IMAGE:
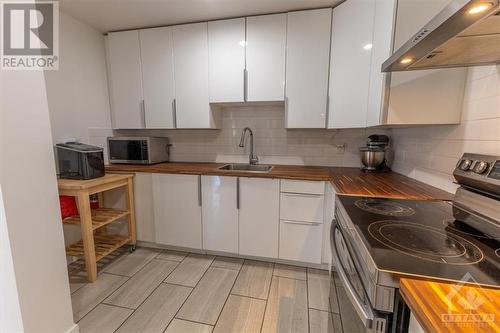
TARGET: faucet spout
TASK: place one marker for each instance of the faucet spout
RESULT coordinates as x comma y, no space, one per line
253,159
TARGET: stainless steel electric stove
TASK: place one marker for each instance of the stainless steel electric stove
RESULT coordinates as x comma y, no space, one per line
376,241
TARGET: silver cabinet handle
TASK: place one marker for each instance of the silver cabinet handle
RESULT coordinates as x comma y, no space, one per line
307,195
301,222
286,112
199,191
327,117
174,112
245,84
238,193
143,113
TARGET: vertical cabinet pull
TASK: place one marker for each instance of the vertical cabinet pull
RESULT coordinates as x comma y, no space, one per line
199,191
238,193
174,112
286,112
245,84
327,115
143,113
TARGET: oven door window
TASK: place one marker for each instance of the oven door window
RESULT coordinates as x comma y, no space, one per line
127,150
348,267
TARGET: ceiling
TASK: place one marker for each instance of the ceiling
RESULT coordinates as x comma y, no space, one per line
112,15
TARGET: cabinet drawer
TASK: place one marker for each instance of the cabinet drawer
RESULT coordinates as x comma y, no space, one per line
302,207
301,241
302,186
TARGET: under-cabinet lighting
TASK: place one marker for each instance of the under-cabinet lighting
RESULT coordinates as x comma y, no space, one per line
479,8
405,61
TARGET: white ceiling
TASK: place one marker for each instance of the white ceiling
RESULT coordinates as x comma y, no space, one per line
112,15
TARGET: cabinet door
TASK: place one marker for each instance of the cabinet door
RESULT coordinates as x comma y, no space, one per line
226,56
265,57
352,34
301,241
144,208
177,209
259,217
307,65
191,76
125,80
158,76
220,213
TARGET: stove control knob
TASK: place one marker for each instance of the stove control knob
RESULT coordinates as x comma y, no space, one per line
481,167
465,165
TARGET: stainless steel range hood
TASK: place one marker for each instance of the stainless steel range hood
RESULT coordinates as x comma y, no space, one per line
464,33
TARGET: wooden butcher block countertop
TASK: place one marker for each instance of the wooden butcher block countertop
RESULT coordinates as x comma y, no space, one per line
442,307
346,181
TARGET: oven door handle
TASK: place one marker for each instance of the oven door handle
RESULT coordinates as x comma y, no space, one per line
366,314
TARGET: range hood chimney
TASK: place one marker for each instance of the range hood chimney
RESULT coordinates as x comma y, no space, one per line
464,33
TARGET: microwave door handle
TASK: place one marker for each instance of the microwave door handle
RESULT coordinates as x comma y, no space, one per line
365,314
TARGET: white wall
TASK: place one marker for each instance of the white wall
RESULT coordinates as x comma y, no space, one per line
430,153
10,312
29,188
273,143
78,93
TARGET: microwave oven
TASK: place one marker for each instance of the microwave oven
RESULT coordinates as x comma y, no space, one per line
138,150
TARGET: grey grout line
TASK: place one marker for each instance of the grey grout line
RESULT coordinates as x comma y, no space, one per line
267,301
121,274
228,294
118,306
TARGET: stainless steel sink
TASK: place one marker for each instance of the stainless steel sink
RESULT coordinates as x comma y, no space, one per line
247,167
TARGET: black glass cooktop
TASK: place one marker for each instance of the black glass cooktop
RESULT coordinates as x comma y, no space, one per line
426,238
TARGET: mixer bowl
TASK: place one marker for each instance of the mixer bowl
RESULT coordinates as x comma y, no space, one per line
372,159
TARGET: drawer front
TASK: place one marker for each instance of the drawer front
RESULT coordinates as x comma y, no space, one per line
301,241
302,207
302,186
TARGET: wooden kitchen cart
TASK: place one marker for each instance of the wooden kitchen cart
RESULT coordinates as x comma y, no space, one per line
96,243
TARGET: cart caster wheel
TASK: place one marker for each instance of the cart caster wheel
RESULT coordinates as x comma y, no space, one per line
132,248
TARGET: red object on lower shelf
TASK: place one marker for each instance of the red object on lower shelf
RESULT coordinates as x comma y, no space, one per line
68,206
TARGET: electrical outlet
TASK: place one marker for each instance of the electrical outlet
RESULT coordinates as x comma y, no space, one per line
340,149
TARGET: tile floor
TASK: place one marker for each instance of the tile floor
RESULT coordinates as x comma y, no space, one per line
152,290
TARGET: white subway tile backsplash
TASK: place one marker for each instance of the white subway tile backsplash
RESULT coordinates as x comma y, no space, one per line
430,153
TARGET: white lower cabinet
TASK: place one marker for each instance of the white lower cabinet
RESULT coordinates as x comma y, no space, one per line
301,241
259,217
220,213
177,210
144,207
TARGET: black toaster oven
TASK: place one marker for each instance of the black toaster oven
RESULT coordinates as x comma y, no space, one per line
79,161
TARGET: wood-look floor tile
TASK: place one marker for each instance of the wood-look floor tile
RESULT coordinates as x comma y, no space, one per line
318,284
320,322
88,296
241,314
138,288
190,270
172,255
337,323
207,300
286,309
254,279
183,326
227,262
350,320
291,272
130,263
157,311
103,319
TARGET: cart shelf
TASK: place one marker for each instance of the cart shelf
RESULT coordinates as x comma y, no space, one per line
100,217
104,244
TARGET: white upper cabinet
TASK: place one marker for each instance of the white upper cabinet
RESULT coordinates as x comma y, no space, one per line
220,213
352,41
125,81
265,57
158,76
226,59
307,65
192,108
